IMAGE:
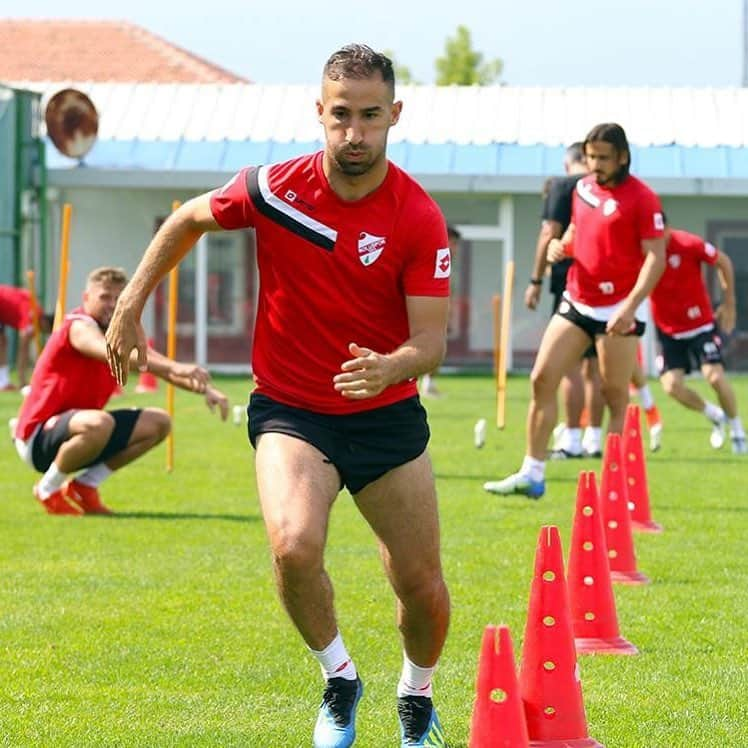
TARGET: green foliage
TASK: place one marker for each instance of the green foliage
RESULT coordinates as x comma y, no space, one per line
461,65
160,626
403,75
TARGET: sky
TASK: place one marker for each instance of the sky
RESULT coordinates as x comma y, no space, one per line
541,42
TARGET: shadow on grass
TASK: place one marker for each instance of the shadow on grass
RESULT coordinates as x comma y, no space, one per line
183,515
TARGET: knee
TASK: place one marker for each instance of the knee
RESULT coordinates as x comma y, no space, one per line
98,425
714,378
157,423
670,385
425,585
616,396
542,383
295,553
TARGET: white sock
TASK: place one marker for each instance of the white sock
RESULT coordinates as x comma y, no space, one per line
335,660
415,680
713,412
645,397
533,468
95,475
572,440
736,428
4,375
51,481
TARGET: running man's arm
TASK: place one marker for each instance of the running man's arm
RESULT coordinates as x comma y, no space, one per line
726,311
369,372
174,239
549,230
23,355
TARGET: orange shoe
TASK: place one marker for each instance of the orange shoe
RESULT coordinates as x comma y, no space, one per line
86,497
57,504
653,417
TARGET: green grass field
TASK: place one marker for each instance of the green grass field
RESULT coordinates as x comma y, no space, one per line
161,627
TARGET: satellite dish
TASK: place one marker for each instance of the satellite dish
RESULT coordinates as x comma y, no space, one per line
72,122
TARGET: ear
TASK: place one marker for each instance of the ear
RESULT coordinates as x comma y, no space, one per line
397,108
320,109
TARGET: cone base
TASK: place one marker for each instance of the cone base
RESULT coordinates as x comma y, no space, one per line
570,743
615,645
647,525
142,389
629,577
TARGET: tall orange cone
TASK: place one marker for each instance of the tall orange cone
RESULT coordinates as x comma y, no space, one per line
498,715
549,675
147,381
636,473
615,510
593,605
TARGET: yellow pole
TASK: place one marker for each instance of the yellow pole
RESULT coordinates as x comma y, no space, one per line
171,352
505,342
62,287
31,281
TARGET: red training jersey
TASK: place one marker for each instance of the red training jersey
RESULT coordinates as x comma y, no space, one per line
64,379
680,302
610,224
15,307
332,272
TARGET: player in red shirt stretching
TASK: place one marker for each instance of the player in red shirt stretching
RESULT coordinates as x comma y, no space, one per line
62,427
354,266
688,335
17,311
619,254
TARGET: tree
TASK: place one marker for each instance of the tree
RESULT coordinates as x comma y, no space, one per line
403,76
461,65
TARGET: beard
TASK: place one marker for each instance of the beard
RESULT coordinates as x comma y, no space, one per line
356,167
611,179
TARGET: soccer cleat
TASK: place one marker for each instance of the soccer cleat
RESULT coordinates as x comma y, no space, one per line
717,437
336,721
56,503
479,433
86,497
655,437
739,446
517,483
419,723
564,454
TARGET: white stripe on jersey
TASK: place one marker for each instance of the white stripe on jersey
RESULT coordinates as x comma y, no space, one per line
585,192
274,201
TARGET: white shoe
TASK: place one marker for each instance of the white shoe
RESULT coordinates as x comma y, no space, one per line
717,437
516,483
655,437
558,435
479,433
739,446
12,426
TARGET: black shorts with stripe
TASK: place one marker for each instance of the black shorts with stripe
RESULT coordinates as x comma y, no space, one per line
593,327
362,446
689,353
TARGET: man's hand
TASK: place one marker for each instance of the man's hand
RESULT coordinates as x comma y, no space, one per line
363,376
556,251
725,316
215,397
197,377
532,295
622,322
123,334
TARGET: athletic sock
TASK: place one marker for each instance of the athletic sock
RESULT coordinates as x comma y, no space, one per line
713,412
335,660
534,469
95,475
4,376
572,441
51,481
645,397
415,680
736,428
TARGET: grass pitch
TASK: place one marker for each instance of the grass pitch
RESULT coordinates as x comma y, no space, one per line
161,627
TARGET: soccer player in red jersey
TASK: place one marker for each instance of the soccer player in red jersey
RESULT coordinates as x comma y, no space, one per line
619,253
354,267
688,335
62,427
17,311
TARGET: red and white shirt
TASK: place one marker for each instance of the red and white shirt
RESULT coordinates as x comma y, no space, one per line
15,308
332,272
64,379
610,224
680,302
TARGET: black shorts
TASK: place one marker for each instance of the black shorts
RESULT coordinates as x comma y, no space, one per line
689,353
55,432
362,446
593,327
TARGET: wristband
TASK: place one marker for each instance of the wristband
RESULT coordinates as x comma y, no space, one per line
536,281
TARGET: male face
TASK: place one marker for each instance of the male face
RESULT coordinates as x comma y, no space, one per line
605,162
357,114
99,300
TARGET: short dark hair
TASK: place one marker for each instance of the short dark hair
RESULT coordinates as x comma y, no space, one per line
575,153
610,132
453,232
359,61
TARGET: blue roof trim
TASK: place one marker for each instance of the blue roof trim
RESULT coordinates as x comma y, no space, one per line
492,159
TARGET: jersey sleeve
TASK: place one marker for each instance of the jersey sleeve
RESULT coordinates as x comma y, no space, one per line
558,203
231,205
650,218
708,253
429,261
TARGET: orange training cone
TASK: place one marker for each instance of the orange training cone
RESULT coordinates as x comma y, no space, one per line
636,473
147,381
498,715
591,599
549,675
614,504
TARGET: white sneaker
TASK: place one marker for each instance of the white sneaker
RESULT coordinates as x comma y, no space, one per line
717,437
517,483
479,433
655,437
739,446
558,435
591,446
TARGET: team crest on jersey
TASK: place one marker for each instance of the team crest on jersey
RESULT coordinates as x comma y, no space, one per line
443,263
711,250
674,261
369,248
609,207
